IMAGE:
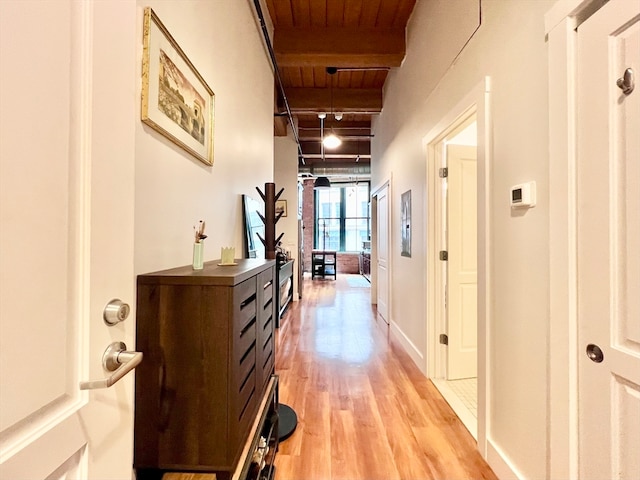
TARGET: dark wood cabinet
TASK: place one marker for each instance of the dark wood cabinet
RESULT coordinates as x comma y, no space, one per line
209,353
365,264
284,276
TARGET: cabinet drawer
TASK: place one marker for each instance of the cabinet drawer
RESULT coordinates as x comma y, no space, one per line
245,341
267,359
244,304
247,400
266,283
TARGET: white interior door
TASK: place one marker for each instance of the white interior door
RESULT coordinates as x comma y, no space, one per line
609,244
462,282
66,233
383,252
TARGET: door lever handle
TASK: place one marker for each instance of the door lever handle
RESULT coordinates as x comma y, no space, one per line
627,83
115,359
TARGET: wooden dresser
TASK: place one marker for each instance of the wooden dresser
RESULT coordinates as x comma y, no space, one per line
209,351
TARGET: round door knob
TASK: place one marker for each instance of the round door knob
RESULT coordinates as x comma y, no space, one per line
594,352
115,312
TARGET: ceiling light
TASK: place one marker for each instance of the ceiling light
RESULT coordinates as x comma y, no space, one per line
331,141
322,182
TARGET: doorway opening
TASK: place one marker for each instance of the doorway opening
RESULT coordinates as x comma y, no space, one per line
475,106
453,168
380,247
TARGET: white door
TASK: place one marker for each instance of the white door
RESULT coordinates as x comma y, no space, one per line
66,188
609,244
383,252
462,282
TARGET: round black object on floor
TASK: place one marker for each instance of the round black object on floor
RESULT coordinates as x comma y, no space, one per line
287,421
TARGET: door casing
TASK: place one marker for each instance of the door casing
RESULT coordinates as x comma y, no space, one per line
375,280
561,23
477,102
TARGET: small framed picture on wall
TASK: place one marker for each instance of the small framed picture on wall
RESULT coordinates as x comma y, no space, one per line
281,206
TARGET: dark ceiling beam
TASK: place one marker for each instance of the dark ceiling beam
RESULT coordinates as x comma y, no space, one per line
311,163
280,126
343,124
339,47
346,100
306,137
336,161
314,134
310,130
347,148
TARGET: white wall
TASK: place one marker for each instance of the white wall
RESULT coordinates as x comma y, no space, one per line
510,48
173,189
286,175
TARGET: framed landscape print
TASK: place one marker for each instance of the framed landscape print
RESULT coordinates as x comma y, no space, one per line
176,100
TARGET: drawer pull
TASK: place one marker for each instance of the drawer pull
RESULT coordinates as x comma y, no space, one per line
247,301
266,362
268,284
267,323
250,350
247,327
267,342
246,404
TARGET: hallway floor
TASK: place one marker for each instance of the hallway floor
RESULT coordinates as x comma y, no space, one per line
365,411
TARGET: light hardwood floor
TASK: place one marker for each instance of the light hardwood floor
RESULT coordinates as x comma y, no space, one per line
364,409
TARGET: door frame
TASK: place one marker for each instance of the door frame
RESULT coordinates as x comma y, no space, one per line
477,102
374,243
561,23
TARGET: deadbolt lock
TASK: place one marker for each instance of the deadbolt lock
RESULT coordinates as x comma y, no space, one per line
115,312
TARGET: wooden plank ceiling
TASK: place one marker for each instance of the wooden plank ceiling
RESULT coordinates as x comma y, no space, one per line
363,40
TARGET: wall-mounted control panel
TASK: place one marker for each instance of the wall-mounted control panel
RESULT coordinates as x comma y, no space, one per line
523,195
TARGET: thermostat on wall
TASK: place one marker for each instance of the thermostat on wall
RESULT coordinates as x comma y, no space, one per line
523,195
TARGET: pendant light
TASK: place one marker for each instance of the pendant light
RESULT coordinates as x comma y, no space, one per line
322,182
331,141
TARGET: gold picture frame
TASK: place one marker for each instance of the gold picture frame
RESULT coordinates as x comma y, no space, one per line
176,100
281,206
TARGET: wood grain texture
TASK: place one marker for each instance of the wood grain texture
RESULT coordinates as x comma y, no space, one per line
189,476
364,409
208,343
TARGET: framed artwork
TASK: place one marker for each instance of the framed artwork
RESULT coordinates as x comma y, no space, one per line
405,202
176,101
281,206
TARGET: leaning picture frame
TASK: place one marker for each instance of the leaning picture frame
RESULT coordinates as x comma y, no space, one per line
405,215
176,100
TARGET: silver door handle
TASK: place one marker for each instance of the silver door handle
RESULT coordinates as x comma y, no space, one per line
627,83
115,359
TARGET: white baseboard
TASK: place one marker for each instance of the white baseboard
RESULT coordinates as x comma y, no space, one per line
409,347
500,464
